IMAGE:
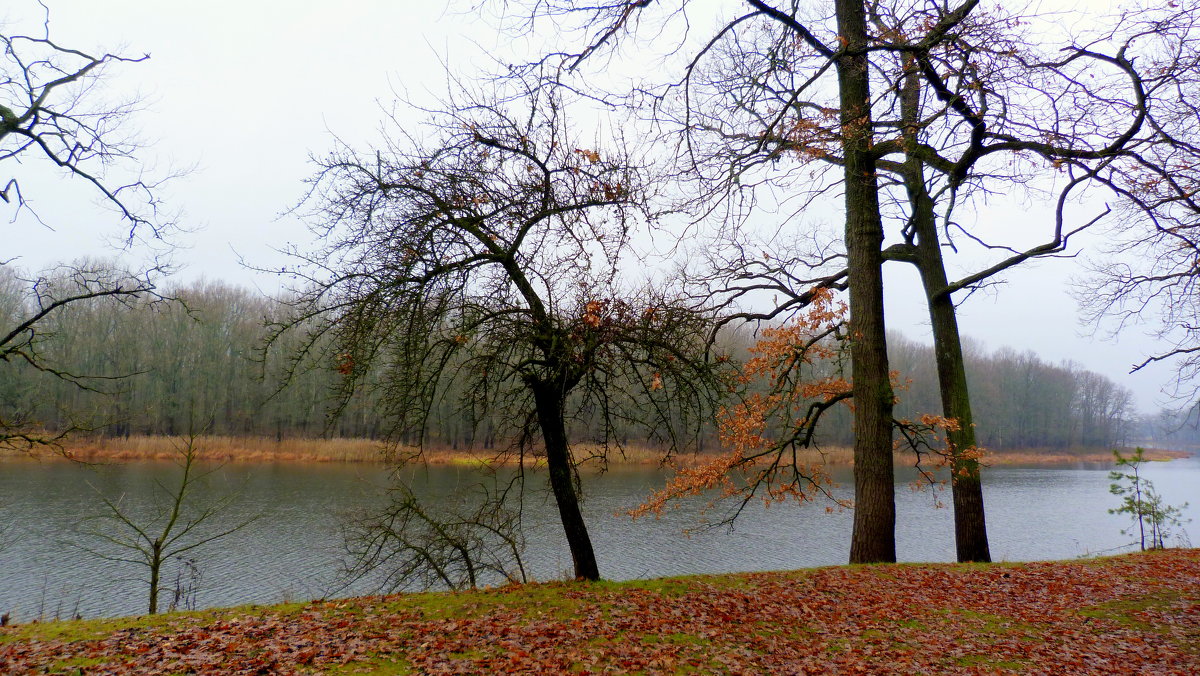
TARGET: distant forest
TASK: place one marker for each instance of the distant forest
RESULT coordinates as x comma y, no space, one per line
160,368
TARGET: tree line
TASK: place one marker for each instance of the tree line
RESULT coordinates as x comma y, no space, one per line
1029,403
164,368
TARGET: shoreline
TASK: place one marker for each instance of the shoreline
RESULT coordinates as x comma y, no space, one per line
342,450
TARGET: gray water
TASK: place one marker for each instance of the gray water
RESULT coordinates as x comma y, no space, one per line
293,550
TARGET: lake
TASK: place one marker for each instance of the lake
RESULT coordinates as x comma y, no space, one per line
293,550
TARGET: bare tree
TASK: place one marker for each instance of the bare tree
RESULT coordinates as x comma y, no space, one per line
1147,279
52,113
181,525
51,110
485,252
477,540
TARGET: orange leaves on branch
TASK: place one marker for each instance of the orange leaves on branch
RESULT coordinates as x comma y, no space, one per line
931,435
963,458
784,348
927,433
742,427
593,312
693,481
345,363
764,429
779,360
590,155
936,421
611,191
811,139
614,313
824,389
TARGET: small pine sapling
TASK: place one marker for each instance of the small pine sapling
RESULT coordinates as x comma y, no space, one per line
1152,519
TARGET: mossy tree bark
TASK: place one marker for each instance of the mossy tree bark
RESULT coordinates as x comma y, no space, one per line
970,528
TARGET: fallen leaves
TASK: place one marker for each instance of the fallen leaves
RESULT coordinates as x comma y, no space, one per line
1128,614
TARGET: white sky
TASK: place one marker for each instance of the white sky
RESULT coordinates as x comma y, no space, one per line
243,92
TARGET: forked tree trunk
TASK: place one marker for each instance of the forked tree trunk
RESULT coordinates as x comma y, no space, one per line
874,536
549,402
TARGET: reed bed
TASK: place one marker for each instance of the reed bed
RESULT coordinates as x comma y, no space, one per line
343,450
226,449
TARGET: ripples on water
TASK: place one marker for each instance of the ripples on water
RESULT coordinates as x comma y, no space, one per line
292,552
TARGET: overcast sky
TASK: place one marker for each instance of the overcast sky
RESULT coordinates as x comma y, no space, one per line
241,93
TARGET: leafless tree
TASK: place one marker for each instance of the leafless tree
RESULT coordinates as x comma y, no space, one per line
183,523
1147,279
54,114
485,251
33,302
476,540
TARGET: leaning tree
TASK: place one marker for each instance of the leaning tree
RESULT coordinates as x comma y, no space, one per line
841,81
480,255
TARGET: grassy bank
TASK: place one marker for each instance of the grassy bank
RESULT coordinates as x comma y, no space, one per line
268,449
1137,613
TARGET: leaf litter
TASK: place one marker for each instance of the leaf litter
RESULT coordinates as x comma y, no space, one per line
1137,613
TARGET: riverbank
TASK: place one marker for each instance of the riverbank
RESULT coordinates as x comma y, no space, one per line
1136,613
341,450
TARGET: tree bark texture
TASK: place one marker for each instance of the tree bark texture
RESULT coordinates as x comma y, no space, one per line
970,529
155,570
874,535
549,402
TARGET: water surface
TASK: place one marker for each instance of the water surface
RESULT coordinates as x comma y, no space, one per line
293,550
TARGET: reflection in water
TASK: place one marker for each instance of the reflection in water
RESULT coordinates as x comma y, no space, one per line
293,551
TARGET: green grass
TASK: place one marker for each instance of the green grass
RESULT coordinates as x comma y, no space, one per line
1126,612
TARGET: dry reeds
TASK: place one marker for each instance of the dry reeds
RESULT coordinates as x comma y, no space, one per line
268,449
228,449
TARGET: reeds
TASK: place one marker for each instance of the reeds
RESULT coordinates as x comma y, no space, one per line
227,449
269,449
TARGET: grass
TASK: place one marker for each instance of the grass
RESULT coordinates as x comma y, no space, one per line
72,631
1130,613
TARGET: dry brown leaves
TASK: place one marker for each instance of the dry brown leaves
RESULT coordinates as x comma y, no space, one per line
1129,614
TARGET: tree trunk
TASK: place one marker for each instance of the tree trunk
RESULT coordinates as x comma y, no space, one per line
155,569
874,536
549,402
970,529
